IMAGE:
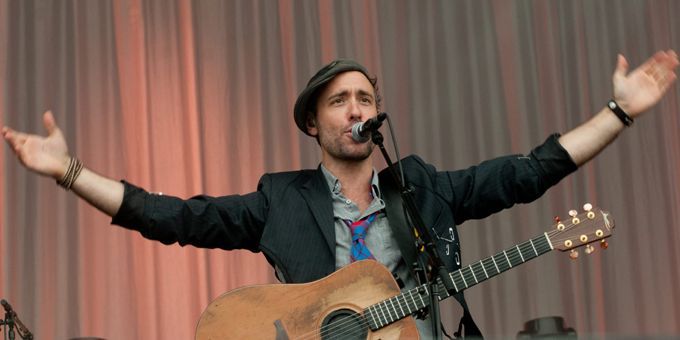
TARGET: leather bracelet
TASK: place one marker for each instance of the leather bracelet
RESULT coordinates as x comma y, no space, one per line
618,111
75,166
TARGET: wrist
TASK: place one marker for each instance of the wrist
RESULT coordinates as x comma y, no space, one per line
614,107
66,180
61,170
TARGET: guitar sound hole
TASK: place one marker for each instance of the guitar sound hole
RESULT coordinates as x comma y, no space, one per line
344,324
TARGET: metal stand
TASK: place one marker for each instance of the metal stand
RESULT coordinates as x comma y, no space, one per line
436,268
8,322
12,321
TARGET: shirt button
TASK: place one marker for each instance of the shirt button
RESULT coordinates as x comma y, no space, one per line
348,202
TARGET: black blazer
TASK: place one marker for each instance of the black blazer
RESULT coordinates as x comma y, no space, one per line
290,216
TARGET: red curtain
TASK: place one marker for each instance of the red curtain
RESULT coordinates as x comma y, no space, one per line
189,97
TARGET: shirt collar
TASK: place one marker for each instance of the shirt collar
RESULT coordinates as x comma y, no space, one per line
336,188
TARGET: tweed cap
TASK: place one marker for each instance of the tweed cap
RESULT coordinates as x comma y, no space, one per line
305,101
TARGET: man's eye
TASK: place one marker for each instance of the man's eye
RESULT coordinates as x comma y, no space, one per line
337,101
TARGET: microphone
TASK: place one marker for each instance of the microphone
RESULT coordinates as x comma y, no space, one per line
23,331
361,132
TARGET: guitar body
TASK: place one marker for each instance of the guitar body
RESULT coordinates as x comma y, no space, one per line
301,311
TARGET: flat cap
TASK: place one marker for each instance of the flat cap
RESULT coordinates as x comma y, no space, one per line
306,100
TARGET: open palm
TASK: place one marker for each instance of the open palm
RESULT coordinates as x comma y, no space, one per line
643,87
44,155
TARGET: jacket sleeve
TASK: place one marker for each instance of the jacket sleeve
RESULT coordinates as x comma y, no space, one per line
500,183
227,222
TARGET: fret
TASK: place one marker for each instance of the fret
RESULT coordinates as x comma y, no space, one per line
371,321
513,255
415,305
543,245
520,253
473,274
383,314
482,265
462,275
533,247
494,263
453,279
394,308
402,310
387,307
488,262
461,281
508,259
478,270
374,313
548,239
526,249
421,296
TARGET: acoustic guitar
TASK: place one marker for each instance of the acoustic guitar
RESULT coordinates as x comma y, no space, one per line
363,301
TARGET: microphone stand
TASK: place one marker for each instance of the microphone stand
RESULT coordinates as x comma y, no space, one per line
12,320
424,239
8,322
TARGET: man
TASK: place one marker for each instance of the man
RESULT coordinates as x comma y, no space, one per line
321,208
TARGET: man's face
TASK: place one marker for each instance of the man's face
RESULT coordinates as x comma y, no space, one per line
347,99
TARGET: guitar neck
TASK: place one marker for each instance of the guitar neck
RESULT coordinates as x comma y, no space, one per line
398,307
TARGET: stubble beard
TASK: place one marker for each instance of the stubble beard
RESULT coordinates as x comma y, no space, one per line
344,151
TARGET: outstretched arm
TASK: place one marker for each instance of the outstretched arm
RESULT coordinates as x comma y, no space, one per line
635,93
48,156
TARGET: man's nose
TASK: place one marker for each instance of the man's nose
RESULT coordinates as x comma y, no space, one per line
354,110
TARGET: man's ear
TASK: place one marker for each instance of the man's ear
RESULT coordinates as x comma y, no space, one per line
311,125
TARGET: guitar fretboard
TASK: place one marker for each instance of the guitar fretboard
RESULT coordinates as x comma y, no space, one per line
398,307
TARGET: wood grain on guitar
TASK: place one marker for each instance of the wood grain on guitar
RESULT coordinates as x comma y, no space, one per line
301,309
362,300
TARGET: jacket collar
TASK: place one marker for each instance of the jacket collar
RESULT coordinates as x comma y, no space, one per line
316,193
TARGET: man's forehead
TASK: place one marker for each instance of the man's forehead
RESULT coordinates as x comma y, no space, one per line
349,81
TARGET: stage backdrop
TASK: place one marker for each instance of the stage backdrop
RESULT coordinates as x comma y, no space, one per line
189,97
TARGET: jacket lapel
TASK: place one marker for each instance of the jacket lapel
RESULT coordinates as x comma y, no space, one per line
318,197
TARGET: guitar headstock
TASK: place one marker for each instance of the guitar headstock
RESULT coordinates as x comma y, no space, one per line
582,229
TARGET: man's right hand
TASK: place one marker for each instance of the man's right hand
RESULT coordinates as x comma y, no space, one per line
47,156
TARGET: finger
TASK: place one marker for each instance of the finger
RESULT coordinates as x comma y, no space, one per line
672,60
14,138
621,67
651,62
674,56
667,82
49,122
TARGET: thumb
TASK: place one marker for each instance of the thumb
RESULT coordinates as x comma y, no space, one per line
49,122
621,67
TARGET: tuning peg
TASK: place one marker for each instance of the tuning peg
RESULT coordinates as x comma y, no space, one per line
574,219
604,244
589,249
589,209
573,254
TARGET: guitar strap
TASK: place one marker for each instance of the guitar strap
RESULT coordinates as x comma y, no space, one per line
394,209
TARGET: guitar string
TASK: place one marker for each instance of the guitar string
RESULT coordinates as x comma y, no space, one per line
363,321
341,328
350,325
